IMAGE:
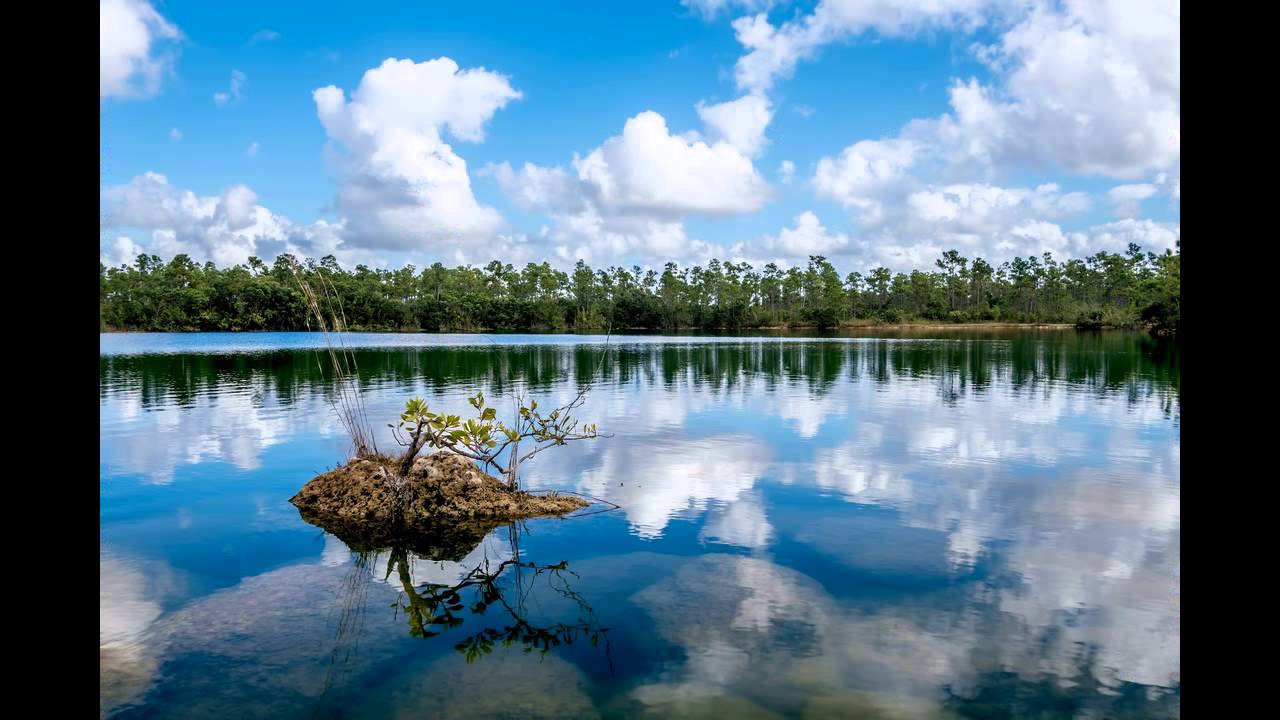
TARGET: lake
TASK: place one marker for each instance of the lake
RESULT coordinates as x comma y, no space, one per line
920,525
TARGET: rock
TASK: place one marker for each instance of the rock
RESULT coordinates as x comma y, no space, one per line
445,500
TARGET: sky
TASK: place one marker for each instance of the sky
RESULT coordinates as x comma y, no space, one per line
871,132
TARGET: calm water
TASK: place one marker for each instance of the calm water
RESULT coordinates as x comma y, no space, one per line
975,526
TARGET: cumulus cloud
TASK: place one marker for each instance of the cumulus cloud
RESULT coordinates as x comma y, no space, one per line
648,170
400,184
773,52
864,173
135,48
253,149
740,123
1093,89
982,219
1126,199
787,171
225,229
120,251
238,81
1091,86
1149,234
175,135
905,223
808,237
633,193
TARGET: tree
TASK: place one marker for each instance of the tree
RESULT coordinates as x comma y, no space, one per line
1104,289
486,439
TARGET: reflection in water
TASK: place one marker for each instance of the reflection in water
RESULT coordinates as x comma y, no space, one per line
442,583
772,637
508,684
865,528
128,604
308,633
230,408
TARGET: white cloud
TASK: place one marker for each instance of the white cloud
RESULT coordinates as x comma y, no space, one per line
1091,86
175,135
743,523
906,223
238,81
1126,199
1132,192
804,111
264,36
787,171
972,206
863,173
682,480
401,185
977,218
135,46
772,52
741,122
121,251
709,9
1093,89
1150,235
539,188
633,193
1169,184
253,149
808,237
225,229
646,169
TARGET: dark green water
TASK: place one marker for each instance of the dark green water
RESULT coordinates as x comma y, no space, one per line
973,526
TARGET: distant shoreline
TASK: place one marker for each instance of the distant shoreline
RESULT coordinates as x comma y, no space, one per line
928,325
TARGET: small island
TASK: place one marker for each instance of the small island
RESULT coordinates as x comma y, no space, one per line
377,498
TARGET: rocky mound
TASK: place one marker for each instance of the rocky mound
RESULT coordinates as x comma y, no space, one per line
442,491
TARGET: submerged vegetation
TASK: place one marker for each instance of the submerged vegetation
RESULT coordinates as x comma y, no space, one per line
1133,289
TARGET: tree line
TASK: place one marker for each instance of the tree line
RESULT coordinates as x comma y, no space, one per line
1130,289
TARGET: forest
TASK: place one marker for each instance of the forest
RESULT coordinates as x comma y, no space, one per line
1129,290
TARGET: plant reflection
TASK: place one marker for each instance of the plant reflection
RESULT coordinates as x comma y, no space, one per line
433,608
490,594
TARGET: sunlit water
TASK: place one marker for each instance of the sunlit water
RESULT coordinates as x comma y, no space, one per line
977,526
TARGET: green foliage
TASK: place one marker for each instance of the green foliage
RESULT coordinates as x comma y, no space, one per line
180,295
487,439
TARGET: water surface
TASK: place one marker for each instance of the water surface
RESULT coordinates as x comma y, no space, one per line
968,526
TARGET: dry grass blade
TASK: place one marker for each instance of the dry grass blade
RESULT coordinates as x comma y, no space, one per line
348,403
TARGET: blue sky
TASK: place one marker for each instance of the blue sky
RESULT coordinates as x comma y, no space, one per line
1066,139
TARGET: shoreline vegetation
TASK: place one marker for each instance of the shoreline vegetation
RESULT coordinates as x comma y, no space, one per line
1133,290
850,325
